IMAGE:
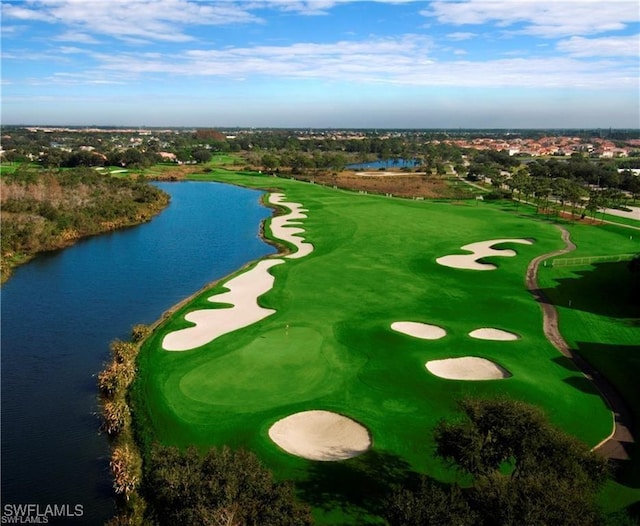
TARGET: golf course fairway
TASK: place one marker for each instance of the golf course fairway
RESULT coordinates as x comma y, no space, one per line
327,345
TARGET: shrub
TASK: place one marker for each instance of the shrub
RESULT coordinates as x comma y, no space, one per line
140,332
115,378
126,467
117,416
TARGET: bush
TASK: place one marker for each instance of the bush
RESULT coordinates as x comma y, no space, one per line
126,467
140,332
123,352
495,195
117,416
115,378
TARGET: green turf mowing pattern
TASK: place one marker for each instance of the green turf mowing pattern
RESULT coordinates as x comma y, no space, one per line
330,346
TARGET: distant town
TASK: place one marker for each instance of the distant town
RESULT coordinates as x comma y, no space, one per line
18,142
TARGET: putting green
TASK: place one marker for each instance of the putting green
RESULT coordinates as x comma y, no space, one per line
273,370
330,345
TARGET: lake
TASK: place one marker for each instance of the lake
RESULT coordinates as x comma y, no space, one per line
384,164
61,311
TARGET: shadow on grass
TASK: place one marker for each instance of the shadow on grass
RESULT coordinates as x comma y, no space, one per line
620,365
565,362
582,384
359,485
608,289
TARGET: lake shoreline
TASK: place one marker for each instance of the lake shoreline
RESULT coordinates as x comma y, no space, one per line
127,475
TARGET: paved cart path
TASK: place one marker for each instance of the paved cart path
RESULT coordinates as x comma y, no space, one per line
614,446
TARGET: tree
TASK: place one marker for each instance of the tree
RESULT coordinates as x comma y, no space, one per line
219,487
575,194
541,191
593,203
201,156
269,162
560,188
525,471
431,504
520,181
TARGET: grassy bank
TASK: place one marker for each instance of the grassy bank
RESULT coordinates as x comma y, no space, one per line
329,345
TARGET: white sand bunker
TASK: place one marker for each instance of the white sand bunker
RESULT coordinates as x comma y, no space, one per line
320,435
282,229
488,333
467,368
419,330
243,294
480,250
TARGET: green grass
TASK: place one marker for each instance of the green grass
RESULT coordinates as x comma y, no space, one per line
603,325
620,220
330,346
8,168
221,159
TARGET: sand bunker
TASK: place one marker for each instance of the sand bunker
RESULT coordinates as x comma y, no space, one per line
282,229
320,435
419,330
243,294
488,333
480,250
467,368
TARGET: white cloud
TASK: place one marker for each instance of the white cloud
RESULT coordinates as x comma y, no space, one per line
70,50
543,18
317,7
18,12
76,37
458,36
627,46
404,60
141,20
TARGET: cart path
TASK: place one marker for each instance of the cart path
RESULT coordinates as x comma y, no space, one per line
615,445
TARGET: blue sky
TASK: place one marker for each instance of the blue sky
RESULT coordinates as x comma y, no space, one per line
322,63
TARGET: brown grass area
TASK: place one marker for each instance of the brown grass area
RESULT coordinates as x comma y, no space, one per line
401,185
171,173
577,217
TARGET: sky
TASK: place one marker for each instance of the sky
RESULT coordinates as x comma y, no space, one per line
322,63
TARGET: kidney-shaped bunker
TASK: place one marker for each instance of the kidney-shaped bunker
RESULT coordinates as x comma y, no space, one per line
320,435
